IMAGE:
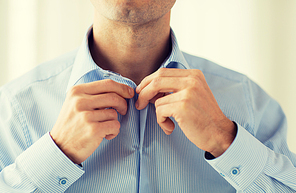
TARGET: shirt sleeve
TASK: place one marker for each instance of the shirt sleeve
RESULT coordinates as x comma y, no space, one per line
250,166
41,166
259,159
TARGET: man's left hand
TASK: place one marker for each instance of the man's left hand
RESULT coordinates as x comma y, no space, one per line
186,96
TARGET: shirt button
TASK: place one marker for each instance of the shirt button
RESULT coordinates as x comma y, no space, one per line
63,181
106,75
235,171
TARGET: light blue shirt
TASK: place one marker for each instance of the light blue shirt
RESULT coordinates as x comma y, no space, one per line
141,158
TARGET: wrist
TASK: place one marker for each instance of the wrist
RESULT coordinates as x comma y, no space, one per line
224,138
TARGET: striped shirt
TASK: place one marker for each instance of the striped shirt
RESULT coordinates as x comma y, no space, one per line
141,158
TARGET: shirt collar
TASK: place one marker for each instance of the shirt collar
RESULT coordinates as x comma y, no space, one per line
84,63
176,58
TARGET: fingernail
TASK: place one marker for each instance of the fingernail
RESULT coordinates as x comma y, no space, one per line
138,89
131,91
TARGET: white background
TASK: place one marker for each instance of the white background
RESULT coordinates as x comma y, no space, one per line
254,37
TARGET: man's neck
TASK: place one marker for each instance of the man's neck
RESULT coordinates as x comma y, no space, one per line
134,51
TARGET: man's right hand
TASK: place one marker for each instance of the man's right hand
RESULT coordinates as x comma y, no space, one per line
87,117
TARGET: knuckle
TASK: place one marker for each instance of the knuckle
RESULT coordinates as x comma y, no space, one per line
158,120
79,103
113,98
193,81
187,94
158,102
97,129
156,81
157,112
75,90
86,116
116,125
108,82
197,72
112,113
144,80
114,128
161,71
185,103
93,129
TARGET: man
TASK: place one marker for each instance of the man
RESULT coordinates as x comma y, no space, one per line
129,112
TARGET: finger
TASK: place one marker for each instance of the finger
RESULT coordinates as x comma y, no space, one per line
104,86
170,98
159,85
159,95
107,100
108,128
165,72
162,114
101,115
167,126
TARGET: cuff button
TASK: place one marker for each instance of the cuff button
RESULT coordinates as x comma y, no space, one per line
235,171
63,181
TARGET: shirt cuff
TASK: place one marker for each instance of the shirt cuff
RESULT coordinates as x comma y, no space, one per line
48,167
243,161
